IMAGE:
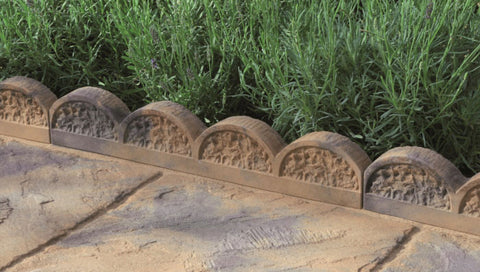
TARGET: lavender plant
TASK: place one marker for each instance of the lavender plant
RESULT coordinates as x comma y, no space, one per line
384,73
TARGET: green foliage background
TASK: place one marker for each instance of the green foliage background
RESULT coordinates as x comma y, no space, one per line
384,73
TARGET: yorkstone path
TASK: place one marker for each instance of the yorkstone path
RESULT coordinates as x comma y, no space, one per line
67,210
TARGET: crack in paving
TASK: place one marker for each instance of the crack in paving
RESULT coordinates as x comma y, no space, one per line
47,201
5,209
162,194
119,200
394,251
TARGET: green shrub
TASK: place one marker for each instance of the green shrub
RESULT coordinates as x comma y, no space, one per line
65,45
186,51
384,73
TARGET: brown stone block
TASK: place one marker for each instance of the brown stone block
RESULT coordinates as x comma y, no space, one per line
24,105
324,159
162,126
240,142
419,184
88,111
468,198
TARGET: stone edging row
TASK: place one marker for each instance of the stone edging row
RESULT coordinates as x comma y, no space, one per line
409,182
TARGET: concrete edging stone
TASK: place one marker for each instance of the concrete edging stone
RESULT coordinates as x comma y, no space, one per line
409,182
24,109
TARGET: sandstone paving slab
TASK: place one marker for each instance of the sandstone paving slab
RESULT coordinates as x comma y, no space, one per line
438,251
46,190
187,223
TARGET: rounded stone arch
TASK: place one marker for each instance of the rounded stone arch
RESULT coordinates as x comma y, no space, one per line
241,142
468,197
26,101
164,126
414,175
89,111
323,158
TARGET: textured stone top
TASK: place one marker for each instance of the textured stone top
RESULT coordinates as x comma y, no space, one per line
323,158
25,101
163,126
98,97
423,158
89,111
30,87
241,142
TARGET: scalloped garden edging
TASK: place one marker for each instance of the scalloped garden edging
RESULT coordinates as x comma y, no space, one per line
409,182
238,149
419,184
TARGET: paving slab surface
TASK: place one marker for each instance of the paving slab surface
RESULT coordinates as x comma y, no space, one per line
65,210
45,192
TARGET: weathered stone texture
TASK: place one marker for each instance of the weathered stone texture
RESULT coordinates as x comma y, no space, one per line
44,192
319,166
17,107
236,149
85,119
471,204
158,133
5,209
275,237
25,101
410,184
437,251
187,223
241,142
